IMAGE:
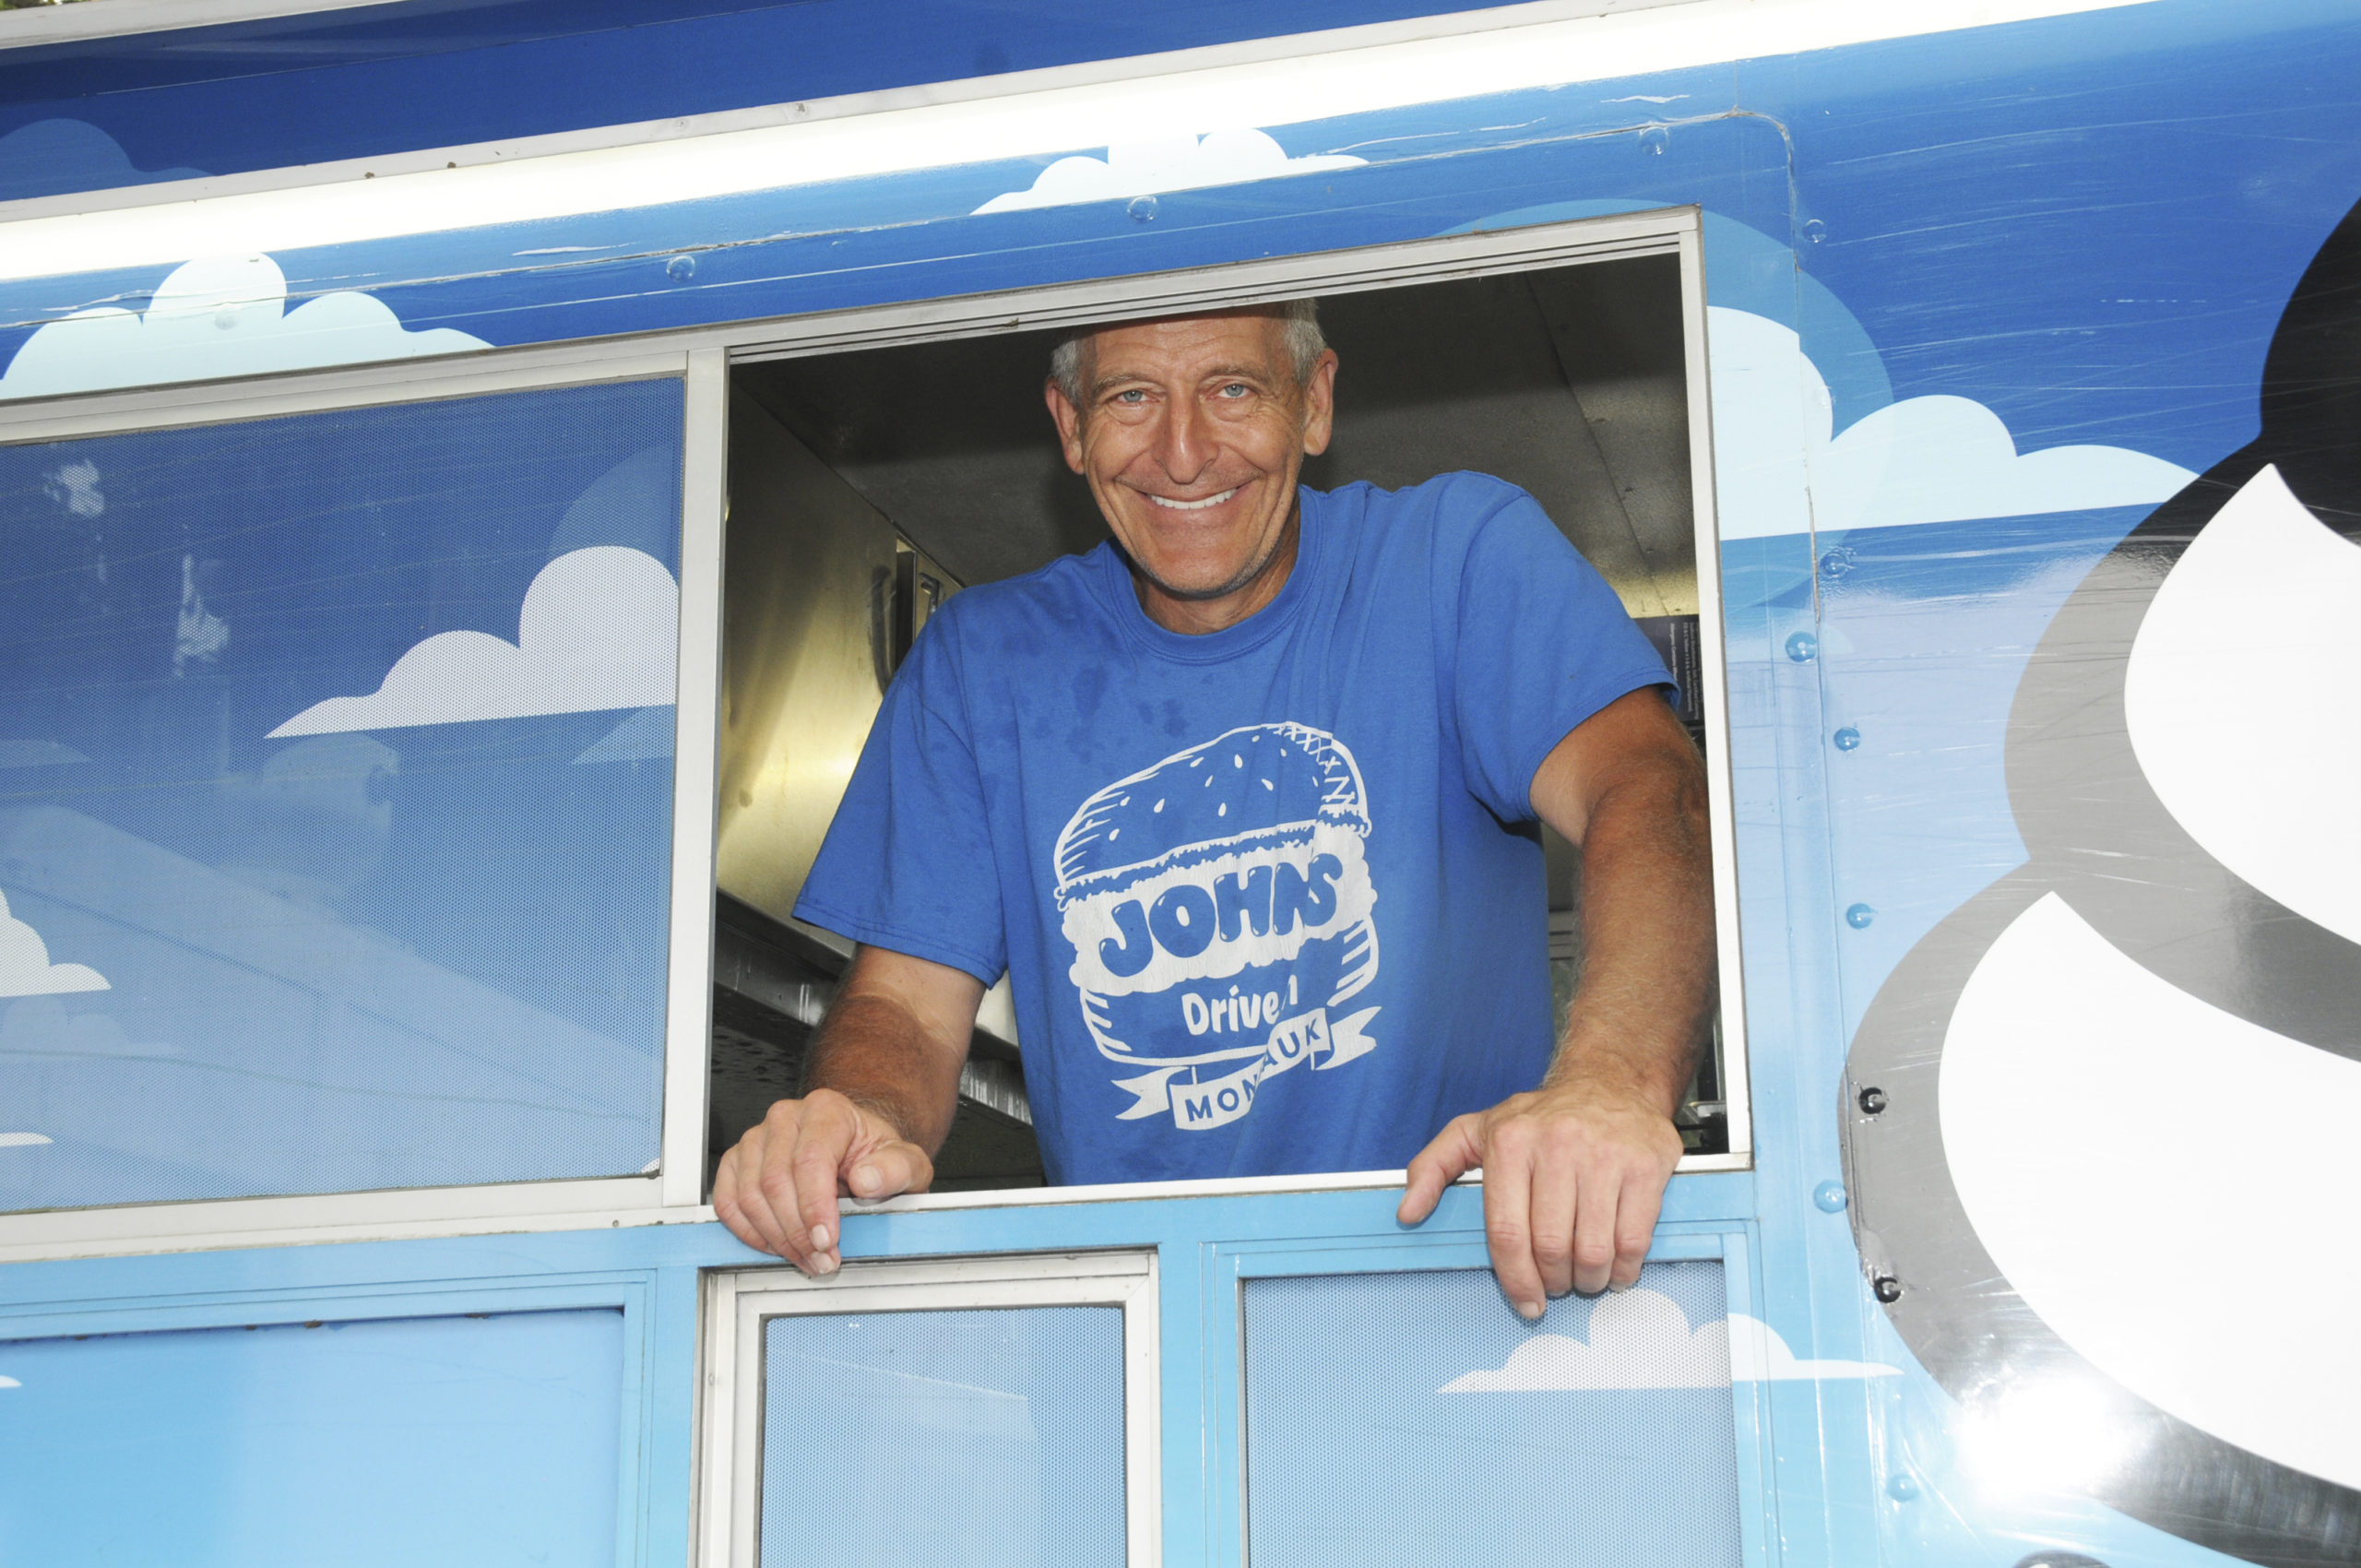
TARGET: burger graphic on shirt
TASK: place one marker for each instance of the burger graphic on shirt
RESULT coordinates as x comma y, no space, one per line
1219,907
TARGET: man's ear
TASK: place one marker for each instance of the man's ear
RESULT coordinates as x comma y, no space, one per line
1069,423
1320,405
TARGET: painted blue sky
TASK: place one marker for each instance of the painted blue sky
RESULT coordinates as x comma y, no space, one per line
484,1441
381,948
1354,1454
991,1438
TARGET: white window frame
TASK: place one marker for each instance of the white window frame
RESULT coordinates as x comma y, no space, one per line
702,358
728,1485
674,1188
1678,232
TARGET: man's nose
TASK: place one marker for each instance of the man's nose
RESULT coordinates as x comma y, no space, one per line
1185,444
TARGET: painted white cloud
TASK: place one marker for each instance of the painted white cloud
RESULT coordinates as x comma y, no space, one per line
599,630
1780,468
9,1382
216,316
23,1140
1642,1339
1173,163
25,968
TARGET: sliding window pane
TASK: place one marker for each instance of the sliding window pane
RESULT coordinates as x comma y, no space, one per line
988,1439
336,799
1392,1420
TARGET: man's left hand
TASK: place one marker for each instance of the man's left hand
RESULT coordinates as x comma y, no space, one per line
1573,1177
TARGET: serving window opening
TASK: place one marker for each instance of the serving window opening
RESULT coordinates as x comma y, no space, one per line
868,486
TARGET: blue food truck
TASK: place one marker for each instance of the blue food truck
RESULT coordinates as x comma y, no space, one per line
471,468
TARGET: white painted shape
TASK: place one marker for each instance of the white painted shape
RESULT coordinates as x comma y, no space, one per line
1177,163
25,968
1941,459
1770,413
1327,85
2243,699
213,318
599,629
1640,1339
1758,1355
9,1382
23,1140
2193,1241
1779,469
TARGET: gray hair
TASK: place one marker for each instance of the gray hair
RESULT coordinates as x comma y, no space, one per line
1299,329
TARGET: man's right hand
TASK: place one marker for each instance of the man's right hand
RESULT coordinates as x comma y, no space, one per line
777,1189
885,1064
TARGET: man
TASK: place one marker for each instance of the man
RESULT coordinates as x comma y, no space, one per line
1181,790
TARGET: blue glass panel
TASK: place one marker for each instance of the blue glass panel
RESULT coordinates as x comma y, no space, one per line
336,799
454,1440
1397,1418
989,1439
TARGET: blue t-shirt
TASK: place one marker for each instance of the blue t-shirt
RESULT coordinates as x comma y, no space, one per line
1267,898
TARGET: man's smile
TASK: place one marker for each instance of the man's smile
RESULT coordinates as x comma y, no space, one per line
1193,505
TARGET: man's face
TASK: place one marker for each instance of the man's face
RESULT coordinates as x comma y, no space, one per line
1190,433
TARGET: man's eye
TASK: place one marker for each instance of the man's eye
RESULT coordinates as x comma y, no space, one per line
1235,391
1133,396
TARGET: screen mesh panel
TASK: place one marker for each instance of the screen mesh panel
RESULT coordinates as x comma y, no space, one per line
336,799
988,1439
1412,1419
488,1442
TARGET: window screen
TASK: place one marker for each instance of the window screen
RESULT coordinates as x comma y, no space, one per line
989,1439
336,799
1400,1419
485,1441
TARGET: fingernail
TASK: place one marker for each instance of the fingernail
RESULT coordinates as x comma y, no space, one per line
825,1264
1528,1310
820,1237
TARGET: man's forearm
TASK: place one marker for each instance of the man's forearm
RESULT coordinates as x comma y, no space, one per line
873,1052
1647,995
